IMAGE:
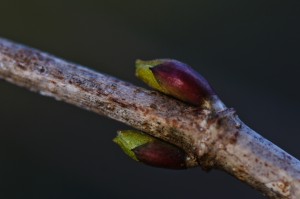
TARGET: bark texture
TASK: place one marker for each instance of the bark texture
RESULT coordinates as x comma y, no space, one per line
212,140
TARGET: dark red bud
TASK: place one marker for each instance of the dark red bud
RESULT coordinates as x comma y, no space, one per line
161,154
181,81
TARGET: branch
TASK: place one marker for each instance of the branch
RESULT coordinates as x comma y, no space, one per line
211,140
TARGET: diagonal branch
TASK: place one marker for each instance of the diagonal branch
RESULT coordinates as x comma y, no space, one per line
211,140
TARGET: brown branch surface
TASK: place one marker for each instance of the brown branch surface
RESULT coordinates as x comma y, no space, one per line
212,140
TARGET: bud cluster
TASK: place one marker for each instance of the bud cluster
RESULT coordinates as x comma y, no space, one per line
178,80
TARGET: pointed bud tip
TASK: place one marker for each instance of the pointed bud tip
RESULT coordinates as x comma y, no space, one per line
144,73
131,139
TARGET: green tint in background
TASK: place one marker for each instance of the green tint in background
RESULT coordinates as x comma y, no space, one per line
248,50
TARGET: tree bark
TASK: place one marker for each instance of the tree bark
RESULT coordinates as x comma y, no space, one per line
211,140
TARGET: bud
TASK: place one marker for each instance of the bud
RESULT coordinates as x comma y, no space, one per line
176,79
151,151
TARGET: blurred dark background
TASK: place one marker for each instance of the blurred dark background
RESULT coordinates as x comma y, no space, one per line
248,50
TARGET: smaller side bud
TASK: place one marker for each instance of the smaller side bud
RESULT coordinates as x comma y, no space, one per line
151,151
